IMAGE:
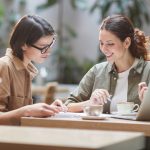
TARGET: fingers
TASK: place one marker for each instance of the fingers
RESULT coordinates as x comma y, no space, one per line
52,108
46,113
142,87
39,110
99,96
44,110
142,92
59,104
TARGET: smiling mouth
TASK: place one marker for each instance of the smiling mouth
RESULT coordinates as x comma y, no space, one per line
44,56
108,55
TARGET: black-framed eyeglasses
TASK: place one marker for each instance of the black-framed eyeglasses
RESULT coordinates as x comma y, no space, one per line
45,48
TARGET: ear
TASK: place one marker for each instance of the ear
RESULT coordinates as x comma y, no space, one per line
24,47
127,42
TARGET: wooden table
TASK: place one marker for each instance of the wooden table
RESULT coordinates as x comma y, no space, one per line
23,138
108,124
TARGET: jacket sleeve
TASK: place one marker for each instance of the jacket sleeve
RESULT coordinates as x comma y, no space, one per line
4,86
84,90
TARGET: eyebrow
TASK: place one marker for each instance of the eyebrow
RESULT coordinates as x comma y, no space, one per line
107,41
45,44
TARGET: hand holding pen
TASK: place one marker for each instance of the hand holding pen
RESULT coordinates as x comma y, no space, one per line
100,97
59,104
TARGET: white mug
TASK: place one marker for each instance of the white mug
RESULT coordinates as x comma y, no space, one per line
127,107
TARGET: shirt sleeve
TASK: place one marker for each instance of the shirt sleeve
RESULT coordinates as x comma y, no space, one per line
4,87
84,90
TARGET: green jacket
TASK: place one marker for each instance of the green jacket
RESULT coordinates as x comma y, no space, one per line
104,76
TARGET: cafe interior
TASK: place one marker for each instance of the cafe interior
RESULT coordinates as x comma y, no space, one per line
75,51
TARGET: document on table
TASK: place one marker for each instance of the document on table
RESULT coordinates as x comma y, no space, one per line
68,115
79,115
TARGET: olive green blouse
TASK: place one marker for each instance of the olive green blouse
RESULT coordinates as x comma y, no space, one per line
104,76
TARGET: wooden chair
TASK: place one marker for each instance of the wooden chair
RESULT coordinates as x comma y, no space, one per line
50,92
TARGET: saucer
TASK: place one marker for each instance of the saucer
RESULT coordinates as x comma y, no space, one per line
94,117
124,114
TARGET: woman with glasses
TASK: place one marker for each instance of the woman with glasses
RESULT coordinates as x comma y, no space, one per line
115,80
30,40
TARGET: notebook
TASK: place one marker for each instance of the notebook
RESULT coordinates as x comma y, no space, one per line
144,111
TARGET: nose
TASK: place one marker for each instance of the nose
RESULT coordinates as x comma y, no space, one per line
48,50
104,48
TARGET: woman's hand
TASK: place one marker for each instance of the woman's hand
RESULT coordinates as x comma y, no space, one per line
142,87
99,96
58,103
34,110
40,110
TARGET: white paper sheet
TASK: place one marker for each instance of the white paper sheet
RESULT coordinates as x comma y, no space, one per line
68,115
74,115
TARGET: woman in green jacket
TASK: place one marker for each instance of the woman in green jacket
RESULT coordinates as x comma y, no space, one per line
115,80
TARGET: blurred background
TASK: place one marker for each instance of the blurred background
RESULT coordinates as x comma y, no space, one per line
77,25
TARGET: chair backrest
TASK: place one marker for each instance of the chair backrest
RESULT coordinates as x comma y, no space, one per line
50,92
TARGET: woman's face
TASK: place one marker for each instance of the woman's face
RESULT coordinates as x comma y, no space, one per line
39,51
113,48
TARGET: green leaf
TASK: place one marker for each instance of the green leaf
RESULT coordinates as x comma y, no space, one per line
105,8
73,4
1,10
145,12
49,3
94,6
79,4
120,4
71,31
147,18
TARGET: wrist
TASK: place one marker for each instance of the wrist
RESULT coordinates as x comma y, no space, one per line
25,111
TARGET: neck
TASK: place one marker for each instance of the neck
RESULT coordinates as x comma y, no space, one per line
26,61
124,65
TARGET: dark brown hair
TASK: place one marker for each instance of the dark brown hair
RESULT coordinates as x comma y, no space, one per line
28,31
122,27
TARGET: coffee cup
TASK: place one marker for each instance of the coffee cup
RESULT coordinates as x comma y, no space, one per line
127,107
93,110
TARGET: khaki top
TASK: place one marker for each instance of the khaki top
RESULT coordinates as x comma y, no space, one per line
15,89
104,76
